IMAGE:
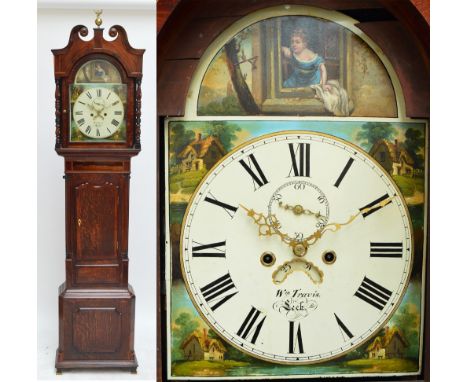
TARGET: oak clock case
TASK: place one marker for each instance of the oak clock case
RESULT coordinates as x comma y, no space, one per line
298,227
98,103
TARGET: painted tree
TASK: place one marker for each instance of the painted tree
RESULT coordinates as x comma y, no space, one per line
408,319
371,132
180,137
238,81
226,132
414,143
185,325
229,105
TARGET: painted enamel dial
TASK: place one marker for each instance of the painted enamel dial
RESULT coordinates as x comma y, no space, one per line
98,112
296,247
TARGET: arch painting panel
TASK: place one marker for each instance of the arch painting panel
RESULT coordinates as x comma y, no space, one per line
297,65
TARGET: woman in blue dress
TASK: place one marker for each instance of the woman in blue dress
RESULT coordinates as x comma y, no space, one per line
309,67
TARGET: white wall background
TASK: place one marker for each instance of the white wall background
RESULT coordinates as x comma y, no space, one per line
55,19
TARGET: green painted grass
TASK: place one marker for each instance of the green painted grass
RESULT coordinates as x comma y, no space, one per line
187,176
219,368
384,365
409,186
204,368
186,183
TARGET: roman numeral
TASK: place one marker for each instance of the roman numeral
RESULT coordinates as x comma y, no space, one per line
228,208
108,95
81,121
343,327
98,92
259,177
110,132
98,134
215,292
300,158
295,338
215,249
373,293
89,95
88,129
247,328
386,249
117,112
343,173
81,103
115,122
79,112
376,205
115,103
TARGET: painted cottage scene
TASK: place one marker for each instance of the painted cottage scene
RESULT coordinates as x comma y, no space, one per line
391,345
198,347
393,157
200,154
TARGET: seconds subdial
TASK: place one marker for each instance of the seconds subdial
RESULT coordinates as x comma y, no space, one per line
300,208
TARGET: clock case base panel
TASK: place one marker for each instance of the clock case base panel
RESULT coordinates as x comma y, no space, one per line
96,329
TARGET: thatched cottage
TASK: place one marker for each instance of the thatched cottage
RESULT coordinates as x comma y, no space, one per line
393,157
201,154
391,345
198,347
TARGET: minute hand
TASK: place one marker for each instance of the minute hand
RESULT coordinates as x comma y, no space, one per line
333,227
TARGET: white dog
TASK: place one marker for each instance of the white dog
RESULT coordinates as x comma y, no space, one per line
335,100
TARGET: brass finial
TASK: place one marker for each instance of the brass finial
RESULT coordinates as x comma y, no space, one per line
98,20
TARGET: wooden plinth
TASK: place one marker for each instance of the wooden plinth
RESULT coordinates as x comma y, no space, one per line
96,329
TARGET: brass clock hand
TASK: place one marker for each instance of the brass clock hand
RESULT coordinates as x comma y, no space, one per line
264,228
333,227
314,273
299,247
297,209
97,102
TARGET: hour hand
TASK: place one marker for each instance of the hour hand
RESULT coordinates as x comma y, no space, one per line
264,227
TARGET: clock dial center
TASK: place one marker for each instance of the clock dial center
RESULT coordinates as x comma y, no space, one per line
299,249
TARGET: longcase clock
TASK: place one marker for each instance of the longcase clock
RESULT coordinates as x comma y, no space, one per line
98,100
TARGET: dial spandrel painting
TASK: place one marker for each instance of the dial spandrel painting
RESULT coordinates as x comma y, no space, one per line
296,247
98,103
297,65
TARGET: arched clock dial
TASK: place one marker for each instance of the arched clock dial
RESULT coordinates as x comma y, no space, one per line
296,247
98,112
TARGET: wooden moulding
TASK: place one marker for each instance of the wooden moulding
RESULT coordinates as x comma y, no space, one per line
77,48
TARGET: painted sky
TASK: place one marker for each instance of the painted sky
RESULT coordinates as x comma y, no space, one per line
342,129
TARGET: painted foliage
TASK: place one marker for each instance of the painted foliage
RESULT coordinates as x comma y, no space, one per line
196,146
297,65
